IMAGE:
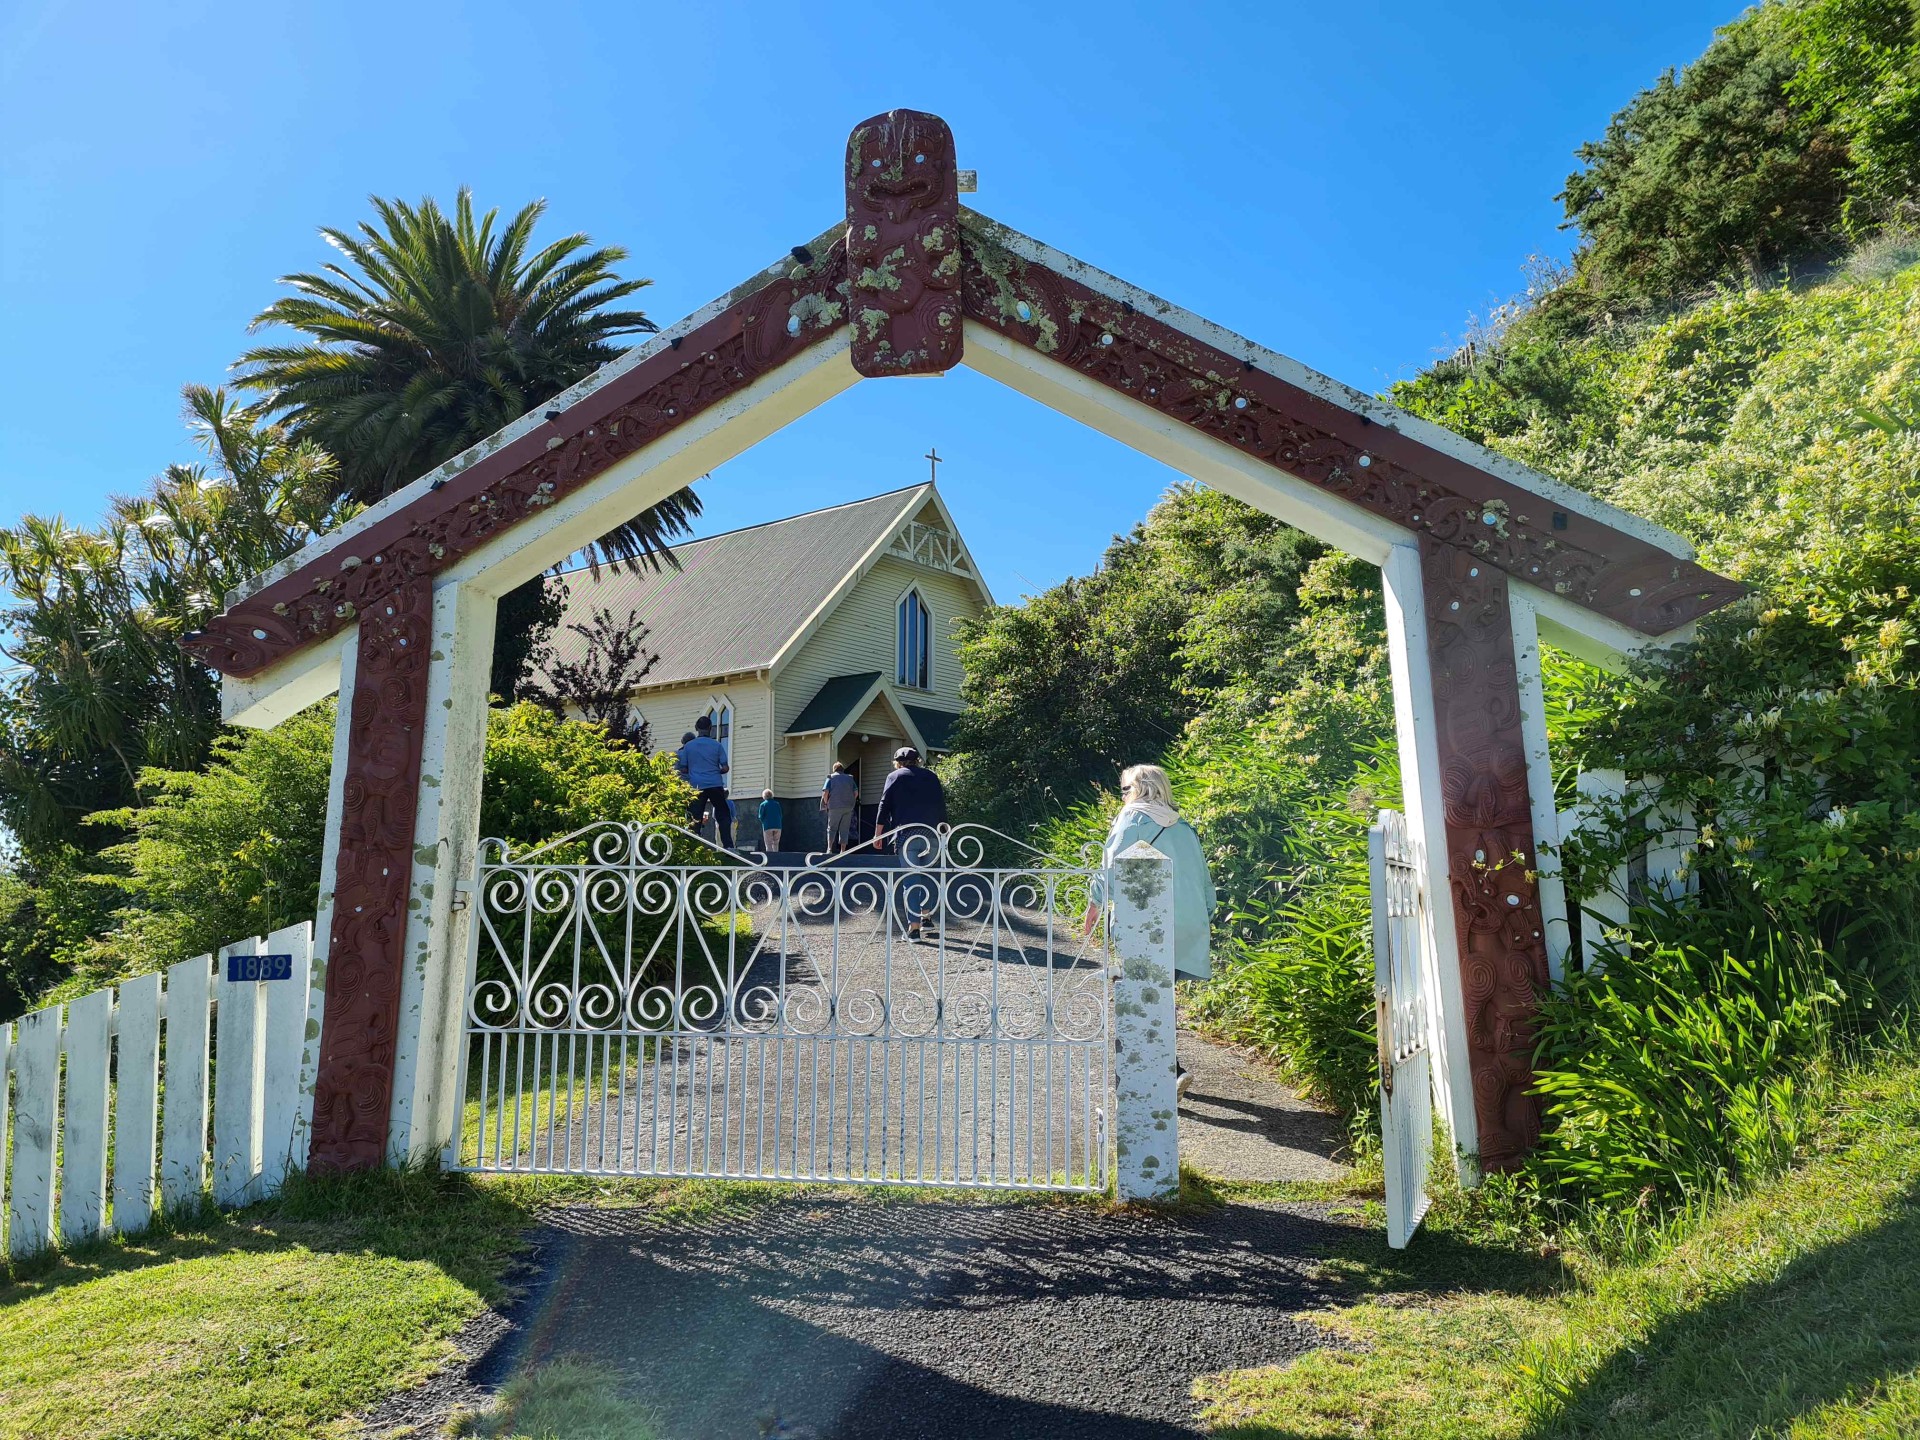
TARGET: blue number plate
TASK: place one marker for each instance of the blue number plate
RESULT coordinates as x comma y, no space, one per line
259,967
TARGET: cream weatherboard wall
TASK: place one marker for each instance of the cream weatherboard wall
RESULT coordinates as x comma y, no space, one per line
671,711
859,636
801,765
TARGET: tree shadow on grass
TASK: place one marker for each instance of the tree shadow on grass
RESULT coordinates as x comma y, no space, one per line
1833,1325
468,1230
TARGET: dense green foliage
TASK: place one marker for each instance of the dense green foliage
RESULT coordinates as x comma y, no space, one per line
1796,132
546,777
101,687
1192,613
234,849
431,333
1774,424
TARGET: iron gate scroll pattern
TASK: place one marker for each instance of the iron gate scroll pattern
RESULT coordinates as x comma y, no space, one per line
639,1003
1400,1009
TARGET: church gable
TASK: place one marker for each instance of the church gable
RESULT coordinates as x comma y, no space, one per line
736,601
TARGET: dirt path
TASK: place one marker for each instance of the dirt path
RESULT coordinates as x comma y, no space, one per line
1239,1122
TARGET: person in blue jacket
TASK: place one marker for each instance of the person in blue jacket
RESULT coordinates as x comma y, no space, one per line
1147,813
702,763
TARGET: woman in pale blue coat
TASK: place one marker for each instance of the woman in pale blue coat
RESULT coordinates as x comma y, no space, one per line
1147,813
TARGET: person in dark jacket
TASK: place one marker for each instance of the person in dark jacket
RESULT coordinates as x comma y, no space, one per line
912,796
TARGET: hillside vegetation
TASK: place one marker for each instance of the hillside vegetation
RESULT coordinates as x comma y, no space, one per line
1734,352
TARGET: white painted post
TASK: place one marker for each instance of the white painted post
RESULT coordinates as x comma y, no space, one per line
83,1137
1419,747
136,1098
283,1041
183,1140
1146,1107
1549,886
446,838
6,1107
1672,835
237,1080
1604,792
323,920
36,1073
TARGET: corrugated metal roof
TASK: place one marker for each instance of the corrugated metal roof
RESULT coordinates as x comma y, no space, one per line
935,726
833,702
737,598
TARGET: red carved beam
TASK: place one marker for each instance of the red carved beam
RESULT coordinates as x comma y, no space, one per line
353,1089
903,245
1427,491
752,337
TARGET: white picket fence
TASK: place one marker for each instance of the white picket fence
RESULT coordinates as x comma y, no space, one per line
99,1089
1660,867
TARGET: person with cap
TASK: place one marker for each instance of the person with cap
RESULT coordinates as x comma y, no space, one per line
913,796
702,763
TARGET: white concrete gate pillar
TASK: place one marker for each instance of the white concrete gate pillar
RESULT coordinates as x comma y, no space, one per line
1146,1142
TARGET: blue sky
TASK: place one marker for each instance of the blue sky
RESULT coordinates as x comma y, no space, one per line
1344,183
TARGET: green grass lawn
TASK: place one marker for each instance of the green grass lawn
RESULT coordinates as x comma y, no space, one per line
1791,1311
271,1322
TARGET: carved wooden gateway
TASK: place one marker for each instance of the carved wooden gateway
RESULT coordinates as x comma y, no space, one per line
1480,557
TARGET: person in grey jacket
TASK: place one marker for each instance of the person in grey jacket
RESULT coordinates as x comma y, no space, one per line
1147,813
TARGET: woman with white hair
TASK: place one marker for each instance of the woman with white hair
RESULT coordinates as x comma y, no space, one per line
1147,813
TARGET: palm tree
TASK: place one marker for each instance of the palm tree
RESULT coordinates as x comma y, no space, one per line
433,333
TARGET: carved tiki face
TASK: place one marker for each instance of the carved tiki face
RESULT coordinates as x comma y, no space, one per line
903,245
902,162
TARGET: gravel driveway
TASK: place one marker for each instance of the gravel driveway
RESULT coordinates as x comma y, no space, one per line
848,1319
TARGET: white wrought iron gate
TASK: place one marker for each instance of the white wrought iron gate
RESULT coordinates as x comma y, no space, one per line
639,1003
1400,1012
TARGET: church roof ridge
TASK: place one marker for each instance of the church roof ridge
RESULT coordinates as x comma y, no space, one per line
740,597
682,545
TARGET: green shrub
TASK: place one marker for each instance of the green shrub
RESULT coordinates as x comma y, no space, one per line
235,850
1680,1069
546,777
1296,979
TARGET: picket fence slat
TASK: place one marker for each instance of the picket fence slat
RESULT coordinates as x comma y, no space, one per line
36,1074
282,1038
6,1108
183,1145
310,1048
236,1082
135,1103
83,1128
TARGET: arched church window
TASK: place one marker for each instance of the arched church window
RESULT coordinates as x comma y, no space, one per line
720,716
914,649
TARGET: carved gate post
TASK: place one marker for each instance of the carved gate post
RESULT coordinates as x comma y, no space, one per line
445,838
378,799
1457,709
